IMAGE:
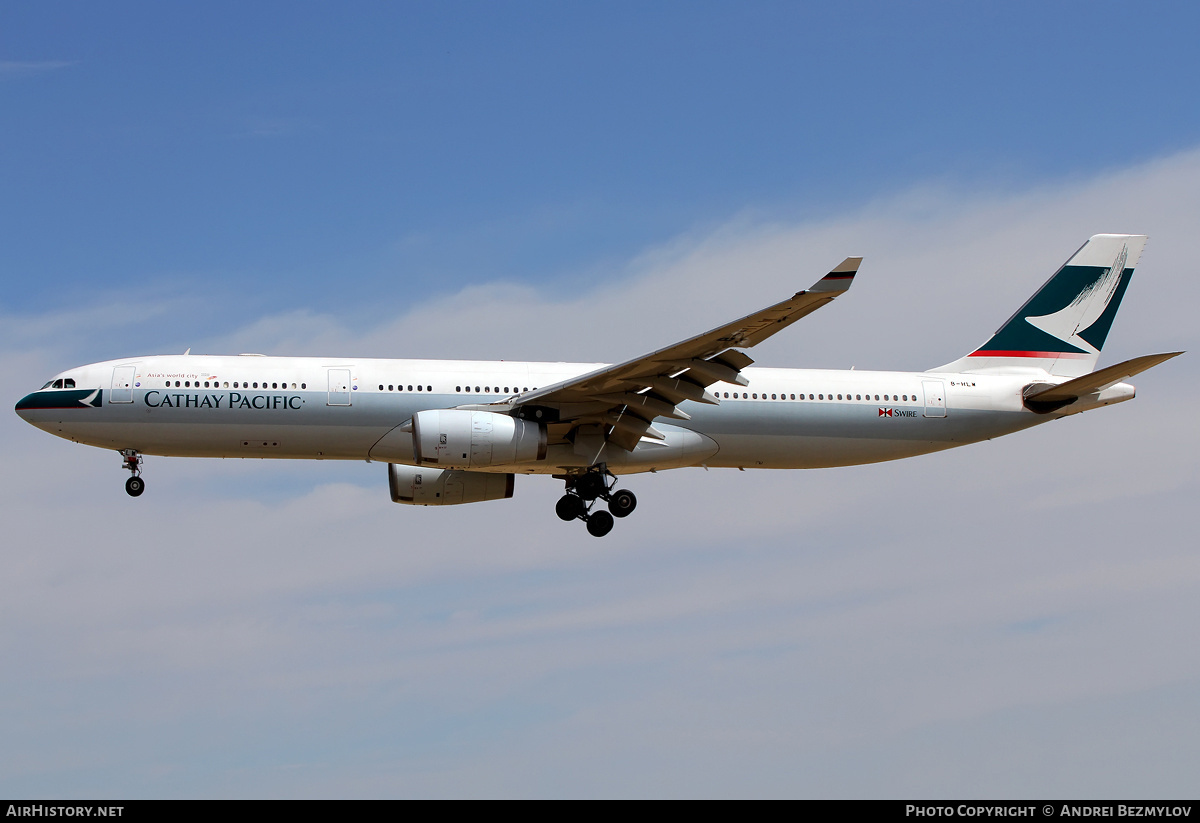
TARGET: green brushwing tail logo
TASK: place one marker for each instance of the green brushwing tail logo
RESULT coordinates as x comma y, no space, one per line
1071,314
1070,323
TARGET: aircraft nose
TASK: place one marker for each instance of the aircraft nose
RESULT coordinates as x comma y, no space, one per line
25,405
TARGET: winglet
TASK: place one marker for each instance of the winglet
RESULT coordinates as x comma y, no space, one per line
840,278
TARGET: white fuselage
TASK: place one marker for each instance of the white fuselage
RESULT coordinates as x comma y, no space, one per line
354,409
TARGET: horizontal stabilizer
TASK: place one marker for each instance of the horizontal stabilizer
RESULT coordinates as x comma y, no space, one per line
1052,397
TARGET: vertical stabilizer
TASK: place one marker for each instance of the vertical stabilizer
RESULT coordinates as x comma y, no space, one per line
1062,328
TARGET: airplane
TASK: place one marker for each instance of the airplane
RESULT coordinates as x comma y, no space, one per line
457,432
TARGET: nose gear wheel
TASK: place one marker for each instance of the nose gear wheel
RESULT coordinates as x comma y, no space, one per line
132,461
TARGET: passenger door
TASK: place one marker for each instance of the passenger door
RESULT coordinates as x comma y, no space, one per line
339,387
935,398
121,390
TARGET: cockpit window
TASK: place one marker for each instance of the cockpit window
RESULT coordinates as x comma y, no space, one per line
68,383
46,386
58,383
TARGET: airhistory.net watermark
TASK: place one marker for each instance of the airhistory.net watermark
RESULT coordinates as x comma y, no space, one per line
43,810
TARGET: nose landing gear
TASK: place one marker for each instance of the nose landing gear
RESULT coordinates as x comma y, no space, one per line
135,485
583,490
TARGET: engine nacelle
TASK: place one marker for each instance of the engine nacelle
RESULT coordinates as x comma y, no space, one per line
419,486
461,439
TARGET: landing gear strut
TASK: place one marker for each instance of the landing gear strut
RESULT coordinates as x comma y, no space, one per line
583,490
135,485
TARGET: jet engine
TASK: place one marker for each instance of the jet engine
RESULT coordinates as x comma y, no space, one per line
462,439
418,486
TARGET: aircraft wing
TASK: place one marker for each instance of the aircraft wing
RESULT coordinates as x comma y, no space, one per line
622,401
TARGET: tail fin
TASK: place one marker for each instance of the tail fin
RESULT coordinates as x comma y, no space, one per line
1062,328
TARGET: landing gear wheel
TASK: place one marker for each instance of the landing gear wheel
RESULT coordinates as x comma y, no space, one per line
622,503
131,460
599,523
570,507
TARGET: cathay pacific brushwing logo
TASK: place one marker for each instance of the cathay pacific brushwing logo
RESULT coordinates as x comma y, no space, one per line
1069,322
59,399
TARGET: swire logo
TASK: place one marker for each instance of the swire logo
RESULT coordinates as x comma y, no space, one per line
897,413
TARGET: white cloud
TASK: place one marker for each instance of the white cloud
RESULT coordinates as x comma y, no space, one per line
923,627
957,262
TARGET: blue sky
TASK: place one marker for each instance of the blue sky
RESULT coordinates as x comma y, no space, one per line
426,143
571,181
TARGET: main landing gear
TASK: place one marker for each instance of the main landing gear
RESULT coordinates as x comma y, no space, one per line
582,492
135,485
